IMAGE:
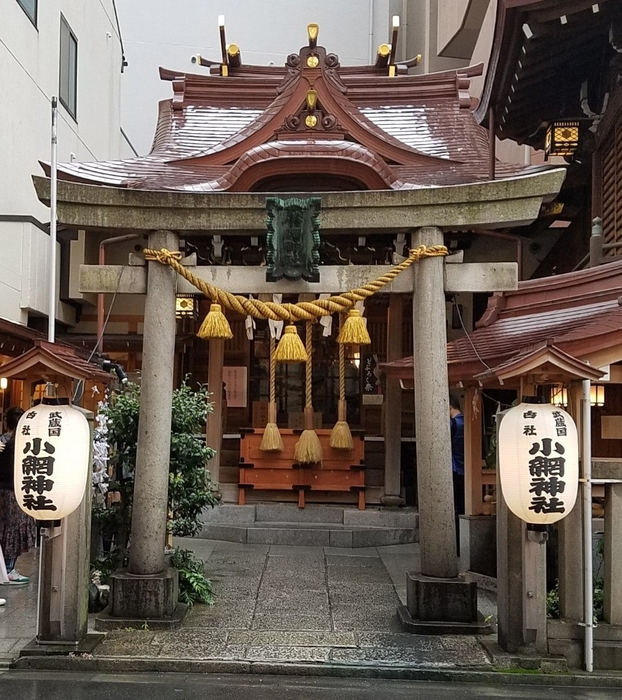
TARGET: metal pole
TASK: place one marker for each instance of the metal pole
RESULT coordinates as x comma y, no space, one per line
586,458
53,198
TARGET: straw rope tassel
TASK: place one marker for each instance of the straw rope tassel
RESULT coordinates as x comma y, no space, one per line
308,449
341,437
271,440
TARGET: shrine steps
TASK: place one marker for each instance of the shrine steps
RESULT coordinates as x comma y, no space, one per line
313,526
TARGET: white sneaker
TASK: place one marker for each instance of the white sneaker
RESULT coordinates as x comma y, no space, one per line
16,579
2,602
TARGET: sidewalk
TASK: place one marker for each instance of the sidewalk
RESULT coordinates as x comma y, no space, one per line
308,611
289,604
283,604
18,618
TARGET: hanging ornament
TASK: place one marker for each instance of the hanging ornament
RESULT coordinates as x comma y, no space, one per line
341,436
308,449
52,448
538,462
354,330
290,347
215,325
271,440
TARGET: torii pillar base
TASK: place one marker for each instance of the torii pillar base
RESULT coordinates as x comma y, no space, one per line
441,606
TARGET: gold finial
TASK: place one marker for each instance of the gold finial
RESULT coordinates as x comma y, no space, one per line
312,31
382,57
234,57
311,100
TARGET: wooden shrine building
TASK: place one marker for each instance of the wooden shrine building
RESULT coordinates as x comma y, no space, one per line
394,161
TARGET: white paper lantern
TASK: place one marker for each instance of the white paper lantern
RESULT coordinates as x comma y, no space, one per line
538,462
52,447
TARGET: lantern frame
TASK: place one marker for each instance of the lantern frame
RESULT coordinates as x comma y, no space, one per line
185,306
562,138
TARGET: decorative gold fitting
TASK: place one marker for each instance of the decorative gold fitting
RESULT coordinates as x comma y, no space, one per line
224,70
382,57
313,61
234,58
311,100
392,72
312,32
311,121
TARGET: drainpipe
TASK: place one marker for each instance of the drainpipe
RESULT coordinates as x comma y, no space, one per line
492,145
371,32
100,297
588,582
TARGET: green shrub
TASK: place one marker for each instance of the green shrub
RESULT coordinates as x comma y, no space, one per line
190,486
194,586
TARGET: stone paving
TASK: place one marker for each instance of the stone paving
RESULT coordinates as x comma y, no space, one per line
301,604
277,603
18,618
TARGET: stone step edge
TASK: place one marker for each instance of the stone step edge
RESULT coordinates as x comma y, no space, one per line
112,664
275,525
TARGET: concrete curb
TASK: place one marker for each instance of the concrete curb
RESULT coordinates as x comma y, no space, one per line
115,664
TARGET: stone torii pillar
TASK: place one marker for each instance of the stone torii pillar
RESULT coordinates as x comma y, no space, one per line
148,589
438,601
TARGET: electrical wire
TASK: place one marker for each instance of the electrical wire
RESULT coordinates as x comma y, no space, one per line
80,385
467,334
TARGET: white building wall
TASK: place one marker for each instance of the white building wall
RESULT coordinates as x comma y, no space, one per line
29,66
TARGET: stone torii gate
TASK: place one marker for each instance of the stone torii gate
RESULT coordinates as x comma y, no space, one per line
147,590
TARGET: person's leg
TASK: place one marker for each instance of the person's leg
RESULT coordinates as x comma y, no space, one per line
10,562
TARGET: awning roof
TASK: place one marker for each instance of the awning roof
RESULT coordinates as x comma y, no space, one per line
577,314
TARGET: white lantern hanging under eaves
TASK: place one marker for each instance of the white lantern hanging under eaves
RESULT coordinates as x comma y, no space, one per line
538,462
52,448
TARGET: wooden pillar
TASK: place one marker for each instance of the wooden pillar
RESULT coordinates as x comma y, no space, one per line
393,408
510,557
434,477
214,420
472,410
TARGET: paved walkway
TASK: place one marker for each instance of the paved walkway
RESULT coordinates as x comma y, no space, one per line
278,603
18,618
301,604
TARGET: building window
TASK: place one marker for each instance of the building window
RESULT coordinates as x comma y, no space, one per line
68,81
30,8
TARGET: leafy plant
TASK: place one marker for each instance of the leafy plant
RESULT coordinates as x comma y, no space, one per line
598,597
190,486
194,586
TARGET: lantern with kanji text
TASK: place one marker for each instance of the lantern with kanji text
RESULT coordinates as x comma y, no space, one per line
538,462
52,448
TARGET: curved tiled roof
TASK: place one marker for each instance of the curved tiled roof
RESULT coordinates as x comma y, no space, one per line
410,130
